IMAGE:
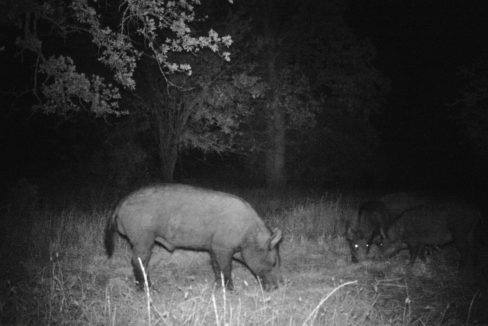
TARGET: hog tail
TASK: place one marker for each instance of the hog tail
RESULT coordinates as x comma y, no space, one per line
110,230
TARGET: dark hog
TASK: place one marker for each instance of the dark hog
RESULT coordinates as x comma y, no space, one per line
373,218
397,203
433,225
180,216
368,228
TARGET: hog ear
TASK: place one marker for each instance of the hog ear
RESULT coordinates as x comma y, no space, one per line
349,233
275,238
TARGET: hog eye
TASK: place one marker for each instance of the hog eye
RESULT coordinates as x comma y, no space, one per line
356,245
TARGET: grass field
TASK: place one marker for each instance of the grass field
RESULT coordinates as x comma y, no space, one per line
55,271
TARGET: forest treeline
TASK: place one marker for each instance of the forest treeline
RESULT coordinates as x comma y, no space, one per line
270,92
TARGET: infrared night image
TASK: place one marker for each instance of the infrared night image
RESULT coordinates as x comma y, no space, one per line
243,162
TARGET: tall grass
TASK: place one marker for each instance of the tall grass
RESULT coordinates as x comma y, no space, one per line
55,272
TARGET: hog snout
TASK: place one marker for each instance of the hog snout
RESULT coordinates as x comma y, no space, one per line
271,281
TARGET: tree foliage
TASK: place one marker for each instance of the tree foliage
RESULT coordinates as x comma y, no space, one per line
122,32
161,61
326,86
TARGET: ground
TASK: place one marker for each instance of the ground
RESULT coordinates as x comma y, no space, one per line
374,292
60,274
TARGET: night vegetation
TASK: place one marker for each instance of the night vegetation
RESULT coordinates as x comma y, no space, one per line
56,272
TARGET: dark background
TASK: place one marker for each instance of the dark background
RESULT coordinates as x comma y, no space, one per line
420,46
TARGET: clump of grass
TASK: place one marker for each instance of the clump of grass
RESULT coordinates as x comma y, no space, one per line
313,219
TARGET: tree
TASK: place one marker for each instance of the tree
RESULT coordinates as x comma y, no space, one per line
319,88
123,34
191,112
153,29
283,90
340,67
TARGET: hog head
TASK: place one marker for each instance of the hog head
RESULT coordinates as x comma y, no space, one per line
261,255
358,244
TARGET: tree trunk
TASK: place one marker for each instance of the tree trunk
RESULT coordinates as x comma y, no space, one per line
169,110
275,151
167,145
168,154
276,127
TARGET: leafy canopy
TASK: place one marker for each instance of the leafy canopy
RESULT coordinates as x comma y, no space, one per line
154,29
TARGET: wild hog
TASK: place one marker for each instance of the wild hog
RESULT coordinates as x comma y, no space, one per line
181,216
374,217
368,228
434,225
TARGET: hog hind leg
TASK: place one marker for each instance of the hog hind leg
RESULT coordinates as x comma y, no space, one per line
142,250
222,263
